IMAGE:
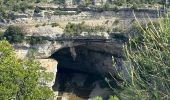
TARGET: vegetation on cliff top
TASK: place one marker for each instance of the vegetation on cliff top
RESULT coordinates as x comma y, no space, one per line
21,6
72,29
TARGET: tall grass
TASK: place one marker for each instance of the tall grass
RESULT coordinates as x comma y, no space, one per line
148,64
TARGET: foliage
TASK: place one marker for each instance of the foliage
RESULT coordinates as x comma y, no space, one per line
134,6
36,40
97,98
20,79
55,24
110,98
121,2
118,2
3,12
61,2
22,5
17,5
113,98
37,25
116,21
14,34
37,10
148,64
72,29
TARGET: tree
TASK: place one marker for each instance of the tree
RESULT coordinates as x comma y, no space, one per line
21,79
14,34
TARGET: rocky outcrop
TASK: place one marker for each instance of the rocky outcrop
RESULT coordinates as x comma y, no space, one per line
51,66
76,56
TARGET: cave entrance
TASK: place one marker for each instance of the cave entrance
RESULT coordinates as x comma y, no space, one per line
80,72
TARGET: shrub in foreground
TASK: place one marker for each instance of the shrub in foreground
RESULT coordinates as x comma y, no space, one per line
148,64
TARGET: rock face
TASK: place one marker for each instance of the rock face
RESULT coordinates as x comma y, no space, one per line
83,73
86,60
51,66
91,61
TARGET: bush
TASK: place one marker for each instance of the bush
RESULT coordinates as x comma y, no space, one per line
37,25
118,2
72,29
3,13
148,64
14,34
97,98
116,22
134,6
37,10
36,40
1,35
55,24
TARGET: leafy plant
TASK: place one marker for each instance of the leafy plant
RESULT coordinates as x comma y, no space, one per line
14,34
113,98
37,25
37,10
97,98
54,24
116,22
72,29
21,79
148,64
36,40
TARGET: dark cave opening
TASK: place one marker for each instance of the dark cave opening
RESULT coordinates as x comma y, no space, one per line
80,73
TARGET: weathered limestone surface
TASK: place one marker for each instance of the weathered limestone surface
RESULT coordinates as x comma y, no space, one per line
84,57
51,66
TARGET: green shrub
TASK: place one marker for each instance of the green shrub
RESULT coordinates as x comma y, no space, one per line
37,1
134,6
1,35
37,10
36,40
44,24
72,29
148,64
23,6
118,2
113,98
37,25
97,98
55,24
116,22
14,34
3,13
